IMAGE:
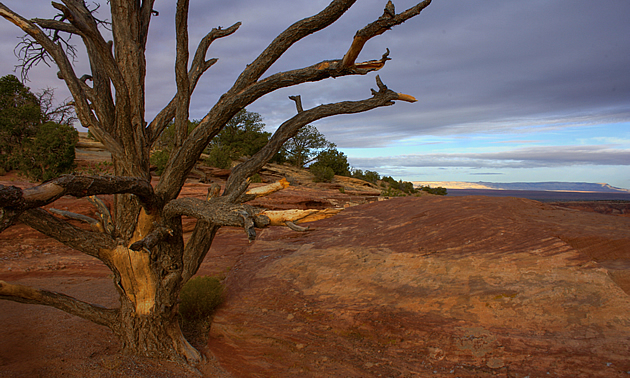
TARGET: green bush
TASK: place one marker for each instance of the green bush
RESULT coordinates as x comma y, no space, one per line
334,159
20,115
200,297
369,176
159,159
220,157
440,191
322,173
49,153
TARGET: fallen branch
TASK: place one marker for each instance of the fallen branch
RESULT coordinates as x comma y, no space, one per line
281,217
295,227
25,294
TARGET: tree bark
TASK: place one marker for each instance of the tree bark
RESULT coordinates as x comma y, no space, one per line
142,241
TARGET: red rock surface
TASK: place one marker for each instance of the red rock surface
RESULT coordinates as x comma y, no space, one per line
432,286
410,287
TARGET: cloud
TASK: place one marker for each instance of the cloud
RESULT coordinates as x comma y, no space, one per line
475,67
533,157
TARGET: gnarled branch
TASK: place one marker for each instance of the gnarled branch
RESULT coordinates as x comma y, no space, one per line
287,38
298,103
88,242
198,67
25,294
281,217
181,73
15,200
378,27
76,186
217,212
382,97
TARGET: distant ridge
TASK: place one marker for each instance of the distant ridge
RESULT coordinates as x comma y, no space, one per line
538,186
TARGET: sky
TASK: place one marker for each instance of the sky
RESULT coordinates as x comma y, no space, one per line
508,91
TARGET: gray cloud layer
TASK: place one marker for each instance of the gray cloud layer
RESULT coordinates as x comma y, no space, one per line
533,157
474,66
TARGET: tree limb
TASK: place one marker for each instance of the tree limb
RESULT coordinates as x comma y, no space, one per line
287,38
94,224
290,128
56,25
88,242
197,69
104,216
25,294
181,73
281,217
378,27
76,186
83,109
197,247
298,103
217,212
146,12
17,200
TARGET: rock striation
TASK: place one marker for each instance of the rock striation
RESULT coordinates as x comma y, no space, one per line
433,286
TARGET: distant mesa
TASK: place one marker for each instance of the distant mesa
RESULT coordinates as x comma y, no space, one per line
532,186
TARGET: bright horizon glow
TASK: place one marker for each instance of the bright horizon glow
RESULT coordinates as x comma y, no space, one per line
453,158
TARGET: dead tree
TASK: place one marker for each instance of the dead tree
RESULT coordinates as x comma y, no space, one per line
141,240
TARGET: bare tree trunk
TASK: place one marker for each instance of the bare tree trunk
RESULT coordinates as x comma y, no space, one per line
142,241
157,333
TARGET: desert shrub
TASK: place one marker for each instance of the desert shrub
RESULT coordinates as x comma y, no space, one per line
200,296
440,191
220,157
49,153
322,173
20,115
243,135
159,159
334,159
305,146
255,178
392,192
369,176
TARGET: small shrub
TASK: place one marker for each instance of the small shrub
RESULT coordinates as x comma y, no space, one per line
200,297
322,173
159,159
50,153
440,191
256,178
220,157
